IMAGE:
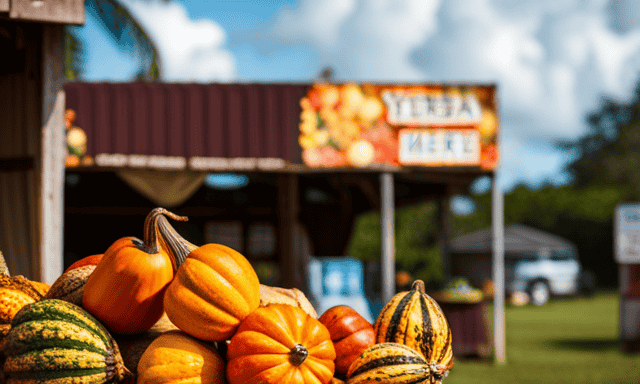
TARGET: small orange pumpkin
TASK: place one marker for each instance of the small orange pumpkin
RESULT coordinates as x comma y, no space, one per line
214,289
125,291
280,344
351,334
175,357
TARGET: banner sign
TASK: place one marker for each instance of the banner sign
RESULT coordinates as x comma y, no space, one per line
354,125
627,234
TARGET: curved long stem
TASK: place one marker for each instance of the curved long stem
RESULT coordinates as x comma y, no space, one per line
151,230
176,245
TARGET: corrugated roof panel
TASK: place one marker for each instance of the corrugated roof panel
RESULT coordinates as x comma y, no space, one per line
211,120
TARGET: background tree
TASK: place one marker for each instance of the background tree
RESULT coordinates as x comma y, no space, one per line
609,153
126,33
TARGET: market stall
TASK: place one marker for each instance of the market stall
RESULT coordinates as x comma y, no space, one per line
314,155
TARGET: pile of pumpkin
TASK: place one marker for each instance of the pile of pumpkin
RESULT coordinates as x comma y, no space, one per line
164,310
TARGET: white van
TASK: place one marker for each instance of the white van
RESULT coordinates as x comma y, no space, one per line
536,262
543,273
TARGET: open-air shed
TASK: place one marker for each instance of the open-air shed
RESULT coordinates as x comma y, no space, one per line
471,254
315,155
142,135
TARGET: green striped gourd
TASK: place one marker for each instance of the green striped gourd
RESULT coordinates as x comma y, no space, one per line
56,342
392,363
414,319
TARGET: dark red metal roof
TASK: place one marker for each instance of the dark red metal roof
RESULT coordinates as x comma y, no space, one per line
208,120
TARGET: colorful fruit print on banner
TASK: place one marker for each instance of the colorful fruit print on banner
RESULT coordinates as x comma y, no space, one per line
354,125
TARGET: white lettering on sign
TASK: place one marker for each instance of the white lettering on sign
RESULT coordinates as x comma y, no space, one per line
439,147
235,163
425,109
140,161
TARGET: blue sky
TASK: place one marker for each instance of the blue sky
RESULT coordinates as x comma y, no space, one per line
552,60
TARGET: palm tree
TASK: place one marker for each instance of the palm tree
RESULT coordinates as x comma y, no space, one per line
125,31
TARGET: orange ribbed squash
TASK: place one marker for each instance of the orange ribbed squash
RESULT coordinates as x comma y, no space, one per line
125,291
214,289
176,358
280,344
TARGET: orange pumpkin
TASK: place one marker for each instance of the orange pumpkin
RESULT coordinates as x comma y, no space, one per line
126,289
175,357
280,344
351,334
214,289
89,260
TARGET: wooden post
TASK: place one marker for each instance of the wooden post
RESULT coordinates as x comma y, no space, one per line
387,216
52,155
288,206
497,215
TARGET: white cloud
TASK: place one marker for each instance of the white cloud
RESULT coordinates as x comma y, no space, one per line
191,50
552,60
363,40
316,21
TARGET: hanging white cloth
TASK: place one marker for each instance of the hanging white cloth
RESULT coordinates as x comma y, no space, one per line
166,189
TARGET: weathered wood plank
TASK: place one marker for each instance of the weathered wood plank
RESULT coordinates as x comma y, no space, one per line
21,104
55,11
53,152
387,234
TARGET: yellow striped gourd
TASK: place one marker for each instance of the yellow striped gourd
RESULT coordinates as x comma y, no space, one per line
414,319
392,363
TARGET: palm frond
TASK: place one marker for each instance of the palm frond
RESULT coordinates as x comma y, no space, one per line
128,35
74,55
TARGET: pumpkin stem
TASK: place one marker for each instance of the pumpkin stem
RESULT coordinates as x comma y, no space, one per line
418,285
151,228
175,244
298,354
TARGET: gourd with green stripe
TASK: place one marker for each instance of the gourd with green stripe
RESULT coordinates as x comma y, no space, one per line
56,342
414,319
392,363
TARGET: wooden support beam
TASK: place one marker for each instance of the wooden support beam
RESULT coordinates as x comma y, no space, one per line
54,11
387,217
52,156
497,214
288,209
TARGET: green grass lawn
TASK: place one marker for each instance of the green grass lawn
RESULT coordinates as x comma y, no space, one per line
565,341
